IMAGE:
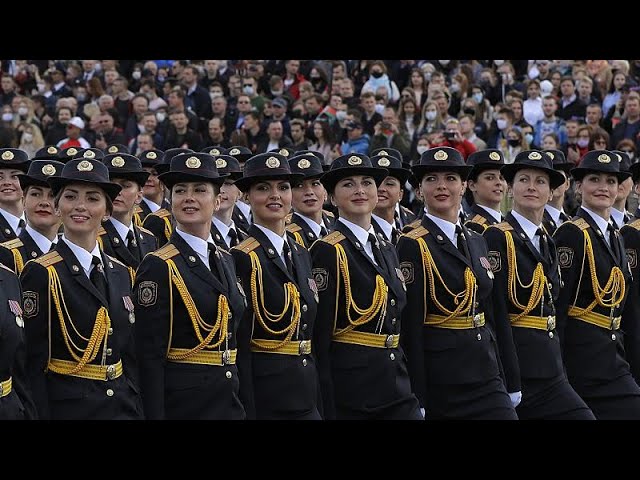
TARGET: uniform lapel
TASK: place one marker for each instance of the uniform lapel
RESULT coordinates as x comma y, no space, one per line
77,272
597,233
439,236
30,246
6,232
122,253
269,250
308,234
346,231
217,237
517,228
196,266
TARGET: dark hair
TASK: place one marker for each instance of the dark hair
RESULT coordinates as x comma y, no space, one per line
108,200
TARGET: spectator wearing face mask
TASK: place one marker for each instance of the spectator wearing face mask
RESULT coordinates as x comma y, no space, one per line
379,78
498,133
31,139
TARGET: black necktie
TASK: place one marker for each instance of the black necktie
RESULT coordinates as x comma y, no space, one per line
21,226
234,237
544,246
97,277
52,247
564,217
212,260
613,243
462,247
396,220
377,254
132,245
286,253
323,232
394,235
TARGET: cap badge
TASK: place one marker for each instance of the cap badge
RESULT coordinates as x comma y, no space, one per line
604,158
221,163
214,151
284,152
118,161
354,160
494,156
71,151
85,166
534,156
7,155
304,163
384,162
383,153
234,151
273,162
193,162
52,150
113,149
441,155
48,170
151,155
551,155
89,154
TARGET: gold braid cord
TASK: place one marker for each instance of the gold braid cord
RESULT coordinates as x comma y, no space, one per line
291,298
614,288
98,335
167,227
299,239
137,221
17,258
537,284
199,324
378,302
463,300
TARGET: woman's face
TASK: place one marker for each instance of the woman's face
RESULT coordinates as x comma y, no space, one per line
82,207
308,197
489,187
10,191
356,195
531,189
129,196
270,200
409,108
193,203
38,208
619,80
229,194
389,193
442,192
598,190
548,143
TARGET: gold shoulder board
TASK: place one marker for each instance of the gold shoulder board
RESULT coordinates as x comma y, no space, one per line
115,260
144,230
412,226
287,219
137,209
162,213
504,226
247,245
293,227
581,223
49,259
333,238
11,244
635,224
101,231
166,252
417,232
328,213
479,219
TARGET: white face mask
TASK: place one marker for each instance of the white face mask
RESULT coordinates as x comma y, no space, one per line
41,87
422,148
23,111
7,117
502,123
379,108
247,90
444,63
497,63
431,115
27,137
214,95
136,75
160,116
341,115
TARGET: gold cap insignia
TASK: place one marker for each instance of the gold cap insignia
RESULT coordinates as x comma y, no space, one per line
193,162
221,163
383,153
354,160
48,170
52,150
441,155
113,149
152,155
494,156
71,151
85,166
551,155
304,163
7,155
604,158
273,162
284,152
89,154
534,156
214,151
384,162
234,151
118,161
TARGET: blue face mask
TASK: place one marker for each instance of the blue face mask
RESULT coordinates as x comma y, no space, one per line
478,97
529,138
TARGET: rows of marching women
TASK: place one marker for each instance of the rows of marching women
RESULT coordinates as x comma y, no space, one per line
226,285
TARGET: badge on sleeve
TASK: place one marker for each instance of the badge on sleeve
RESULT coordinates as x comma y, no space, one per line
30,303
495,261
565,257
314,288
16,309
400,276
147,293
321,278
128,304
487,265
406,268
632,257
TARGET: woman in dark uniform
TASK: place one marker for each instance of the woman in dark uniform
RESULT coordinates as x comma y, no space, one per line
13,162
282,297
596,277
41,231
485,189
153,190
119,236
224,230
78,310
554,214
362,295
308,222
190,307
525,288
451,351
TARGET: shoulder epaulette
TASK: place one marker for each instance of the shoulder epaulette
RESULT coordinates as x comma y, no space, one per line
115,260
293,227
223,250
247,245
137,209
635,224
328,213
144,230
479,219
504,226
412,226
417,232
406,210
101,231
11,244
579,222
333,238
287,219
166,252
162,213
49,258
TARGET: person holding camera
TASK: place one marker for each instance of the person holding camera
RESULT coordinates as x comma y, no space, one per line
389,133
451,137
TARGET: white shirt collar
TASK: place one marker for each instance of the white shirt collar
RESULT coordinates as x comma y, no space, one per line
448,228
494,213
200,246
315,227
618,216
387,228
82,255
600,222
276,240
554,213
224,229
529,228
153,206
192,88
12,220
44,244
362,236
122,229
245,209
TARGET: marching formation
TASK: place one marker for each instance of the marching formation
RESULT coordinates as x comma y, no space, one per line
225,285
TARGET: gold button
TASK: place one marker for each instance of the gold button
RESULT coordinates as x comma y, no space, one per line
393,302
110,331
304,327
109,352
229,374
304,307
109,393
550,334
393,321
229,335
479,337
230,316
613,336
192,259
304,362
392,356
